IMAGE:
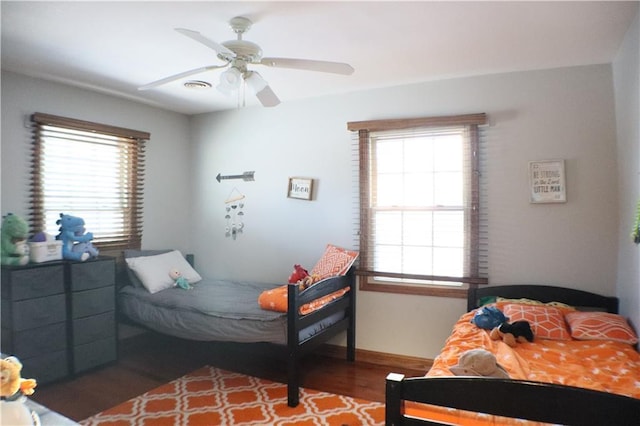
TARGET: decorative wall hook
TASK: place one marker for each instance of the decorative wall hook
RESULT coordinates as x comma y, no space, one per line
246,176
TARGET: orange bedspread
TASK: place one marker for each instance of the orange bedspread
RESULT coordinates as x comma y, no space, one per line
600,365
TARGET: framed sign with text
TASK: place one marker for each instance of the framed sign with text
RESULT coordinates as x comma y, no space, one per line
547,182
301,188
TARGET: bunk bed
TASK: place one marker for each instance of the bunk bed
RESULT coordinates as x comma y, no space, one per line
228,311
593,379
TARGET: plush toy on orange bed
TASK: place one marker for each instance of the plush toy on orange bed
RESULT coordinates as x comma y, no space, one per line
512,333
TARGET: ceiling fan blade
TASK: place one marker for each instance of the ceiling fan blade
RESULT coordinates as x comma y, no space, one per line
309,65
267,98
179,76
194,35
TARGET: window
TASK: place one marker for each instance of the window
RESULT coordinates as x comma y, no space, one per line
419,198
89,170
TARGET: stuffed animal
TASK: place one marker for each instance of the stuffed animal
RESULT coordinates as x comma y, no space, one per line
488,317
298,273
180,281
479,362
87,247
13,388
11,383
308,281
71,233
511,334
15,250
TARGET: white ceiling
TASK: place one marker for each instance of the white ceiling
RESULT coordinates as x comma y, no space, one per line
115,47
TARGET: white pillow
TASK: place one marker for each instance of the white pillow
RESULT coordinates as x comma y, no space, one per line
153,271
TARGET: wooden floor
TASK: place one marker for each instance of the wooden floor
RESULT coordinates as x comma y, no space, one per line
150,360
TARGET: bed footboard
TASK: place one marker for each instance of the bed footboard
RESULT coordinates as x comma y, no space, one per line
509,398
296,322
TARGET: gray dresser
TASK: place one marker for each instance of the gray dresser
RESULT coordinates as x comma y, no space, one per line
34,319
92,313
58,318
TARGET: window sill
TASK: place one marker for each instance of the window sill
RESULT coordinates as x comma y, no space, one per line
423,290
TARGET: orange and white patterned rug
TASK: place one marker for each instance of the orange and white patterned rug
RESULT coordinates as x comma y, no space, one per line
210,396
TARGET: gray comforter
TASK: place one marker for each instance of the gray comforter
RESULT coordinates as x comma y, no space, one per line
214,310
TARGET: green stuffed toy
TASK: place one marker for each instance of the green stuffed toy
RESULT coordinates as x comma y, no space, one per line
15,250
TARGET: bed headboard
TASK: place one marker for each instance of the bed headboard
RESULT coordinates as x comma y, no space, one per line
543,293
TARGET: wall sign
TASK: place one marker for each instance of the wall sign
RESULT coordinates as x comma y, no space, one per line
301,188
547,182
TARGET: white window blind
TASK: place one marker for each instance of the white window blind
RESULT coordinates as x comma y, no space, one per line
92,171
419,194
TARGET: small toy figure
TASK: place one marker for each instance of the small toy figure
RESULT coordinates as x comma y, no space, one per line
180,281
512,333
298,273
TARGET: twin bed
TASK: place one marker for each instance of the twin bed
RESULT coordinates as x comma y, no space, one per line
590,380
226,311
560,379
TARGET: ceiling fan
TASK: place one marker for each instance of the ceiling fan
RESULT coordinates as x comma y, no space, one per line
238,55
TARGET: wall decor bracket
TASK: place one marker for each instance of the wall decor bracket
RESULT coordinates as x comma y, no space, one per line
246,176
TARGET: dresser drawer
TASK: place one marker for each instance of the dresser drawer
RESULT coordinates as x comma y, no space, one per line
33,313
30,282
92,274
92,302
97,327
38,341
46,368
94,354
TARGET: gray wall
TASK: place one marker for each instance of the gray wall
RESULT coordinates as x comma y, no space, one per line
627,92
167,171
554,114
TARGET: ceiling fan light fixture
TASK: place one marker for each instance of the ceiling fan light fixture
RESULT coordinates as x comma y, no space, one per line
225,90
231,78
255,81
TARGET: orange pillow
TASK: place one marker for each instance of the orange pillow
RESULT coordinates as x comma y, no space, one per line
335,261
547,322
276,300
600,326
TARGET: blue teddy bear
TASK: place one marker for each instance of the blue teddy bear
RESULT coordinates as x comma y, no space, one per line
76,243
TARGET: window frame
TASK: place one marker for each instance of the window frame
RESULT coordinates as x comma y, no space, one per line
130,141
367,282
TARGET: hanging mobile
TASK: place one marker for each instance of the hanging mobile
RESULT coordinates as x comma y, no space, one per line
240,213
228,228
234,214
